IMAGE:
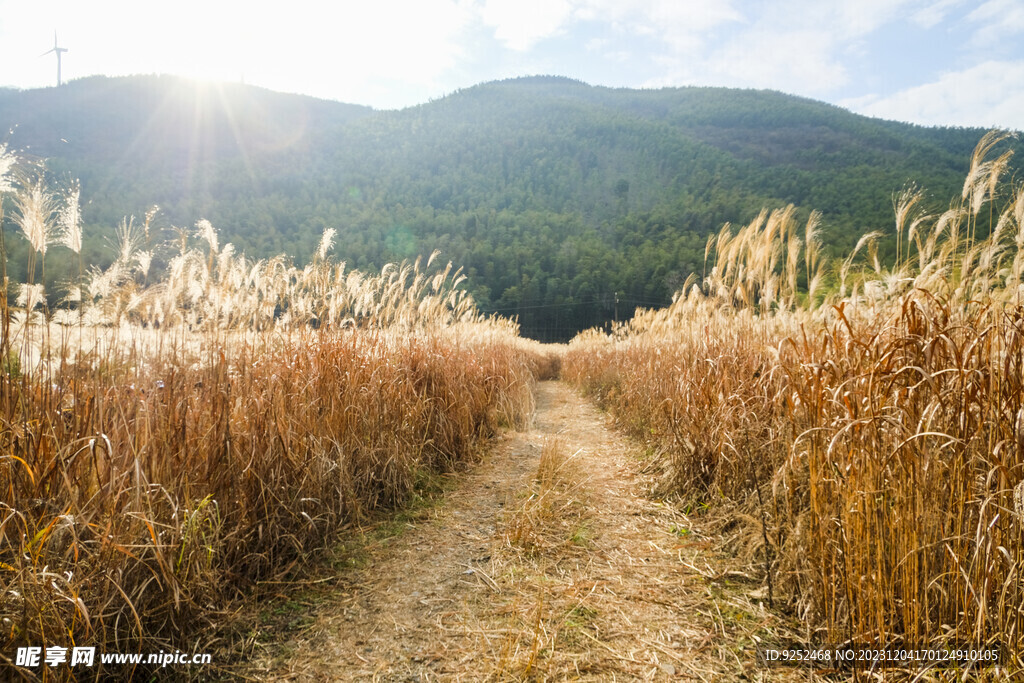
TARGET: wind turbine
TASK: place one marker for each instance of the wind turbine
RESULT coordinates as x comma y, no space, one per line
57,50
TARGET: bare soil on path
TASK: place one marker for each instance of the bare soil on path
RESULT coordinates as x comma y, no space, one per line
588,578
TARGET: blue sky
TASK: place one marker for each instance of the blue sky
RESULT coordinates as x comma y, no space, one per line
934,62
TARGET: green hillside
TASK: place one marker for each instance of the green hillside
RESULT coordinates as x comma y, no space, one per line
555,195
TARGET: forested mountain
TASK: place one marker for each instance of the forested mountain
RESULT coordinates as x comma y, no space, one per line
555,195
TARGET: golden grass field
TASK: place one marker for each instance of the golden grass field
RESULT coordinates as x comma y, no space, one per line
166,446
853,429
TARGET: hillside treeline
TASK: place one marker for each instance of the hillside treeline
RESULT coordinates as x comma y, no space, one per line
568,205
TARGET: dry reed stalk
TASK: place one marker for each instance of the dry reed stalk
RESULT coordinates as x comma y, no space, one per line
144,492
186,438
886,422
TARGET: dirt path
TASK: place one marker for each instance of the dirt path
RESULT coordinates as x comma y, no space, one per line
511,579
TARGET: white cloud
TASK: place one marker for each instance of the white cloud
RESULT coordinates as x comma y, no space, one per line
657,16
1000,20
794,61
990,94
682,26
683,18
934,13
1007,12
841,21
520,24
796,46
858,18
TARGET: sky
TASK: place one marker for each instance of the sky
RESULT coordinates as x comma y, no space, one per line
931,62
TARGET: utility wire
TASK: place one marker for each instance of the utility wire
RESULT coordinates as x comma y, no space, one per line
610,302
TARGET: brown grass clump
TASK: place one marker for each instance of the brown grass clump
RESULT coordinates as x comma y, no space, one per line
545,359
166,446
551,512
868,444
542,531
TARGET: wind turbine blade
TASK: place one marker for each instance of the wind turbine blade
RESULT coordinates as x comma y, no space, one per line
52,49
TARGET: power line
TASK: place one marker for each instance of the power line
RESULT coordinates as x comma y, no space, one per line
608,302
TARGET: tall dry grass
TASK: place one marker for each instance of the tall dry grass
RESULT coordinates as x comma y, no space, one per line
168,444
865,449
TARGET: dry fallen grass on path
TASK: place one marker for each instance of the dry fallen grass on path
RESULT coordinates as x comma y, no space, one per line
554,502
864,456
551,524
598,581
547,561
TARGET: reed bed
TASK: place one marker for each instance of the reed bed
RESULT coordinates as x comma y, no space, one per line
168,444
863,448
